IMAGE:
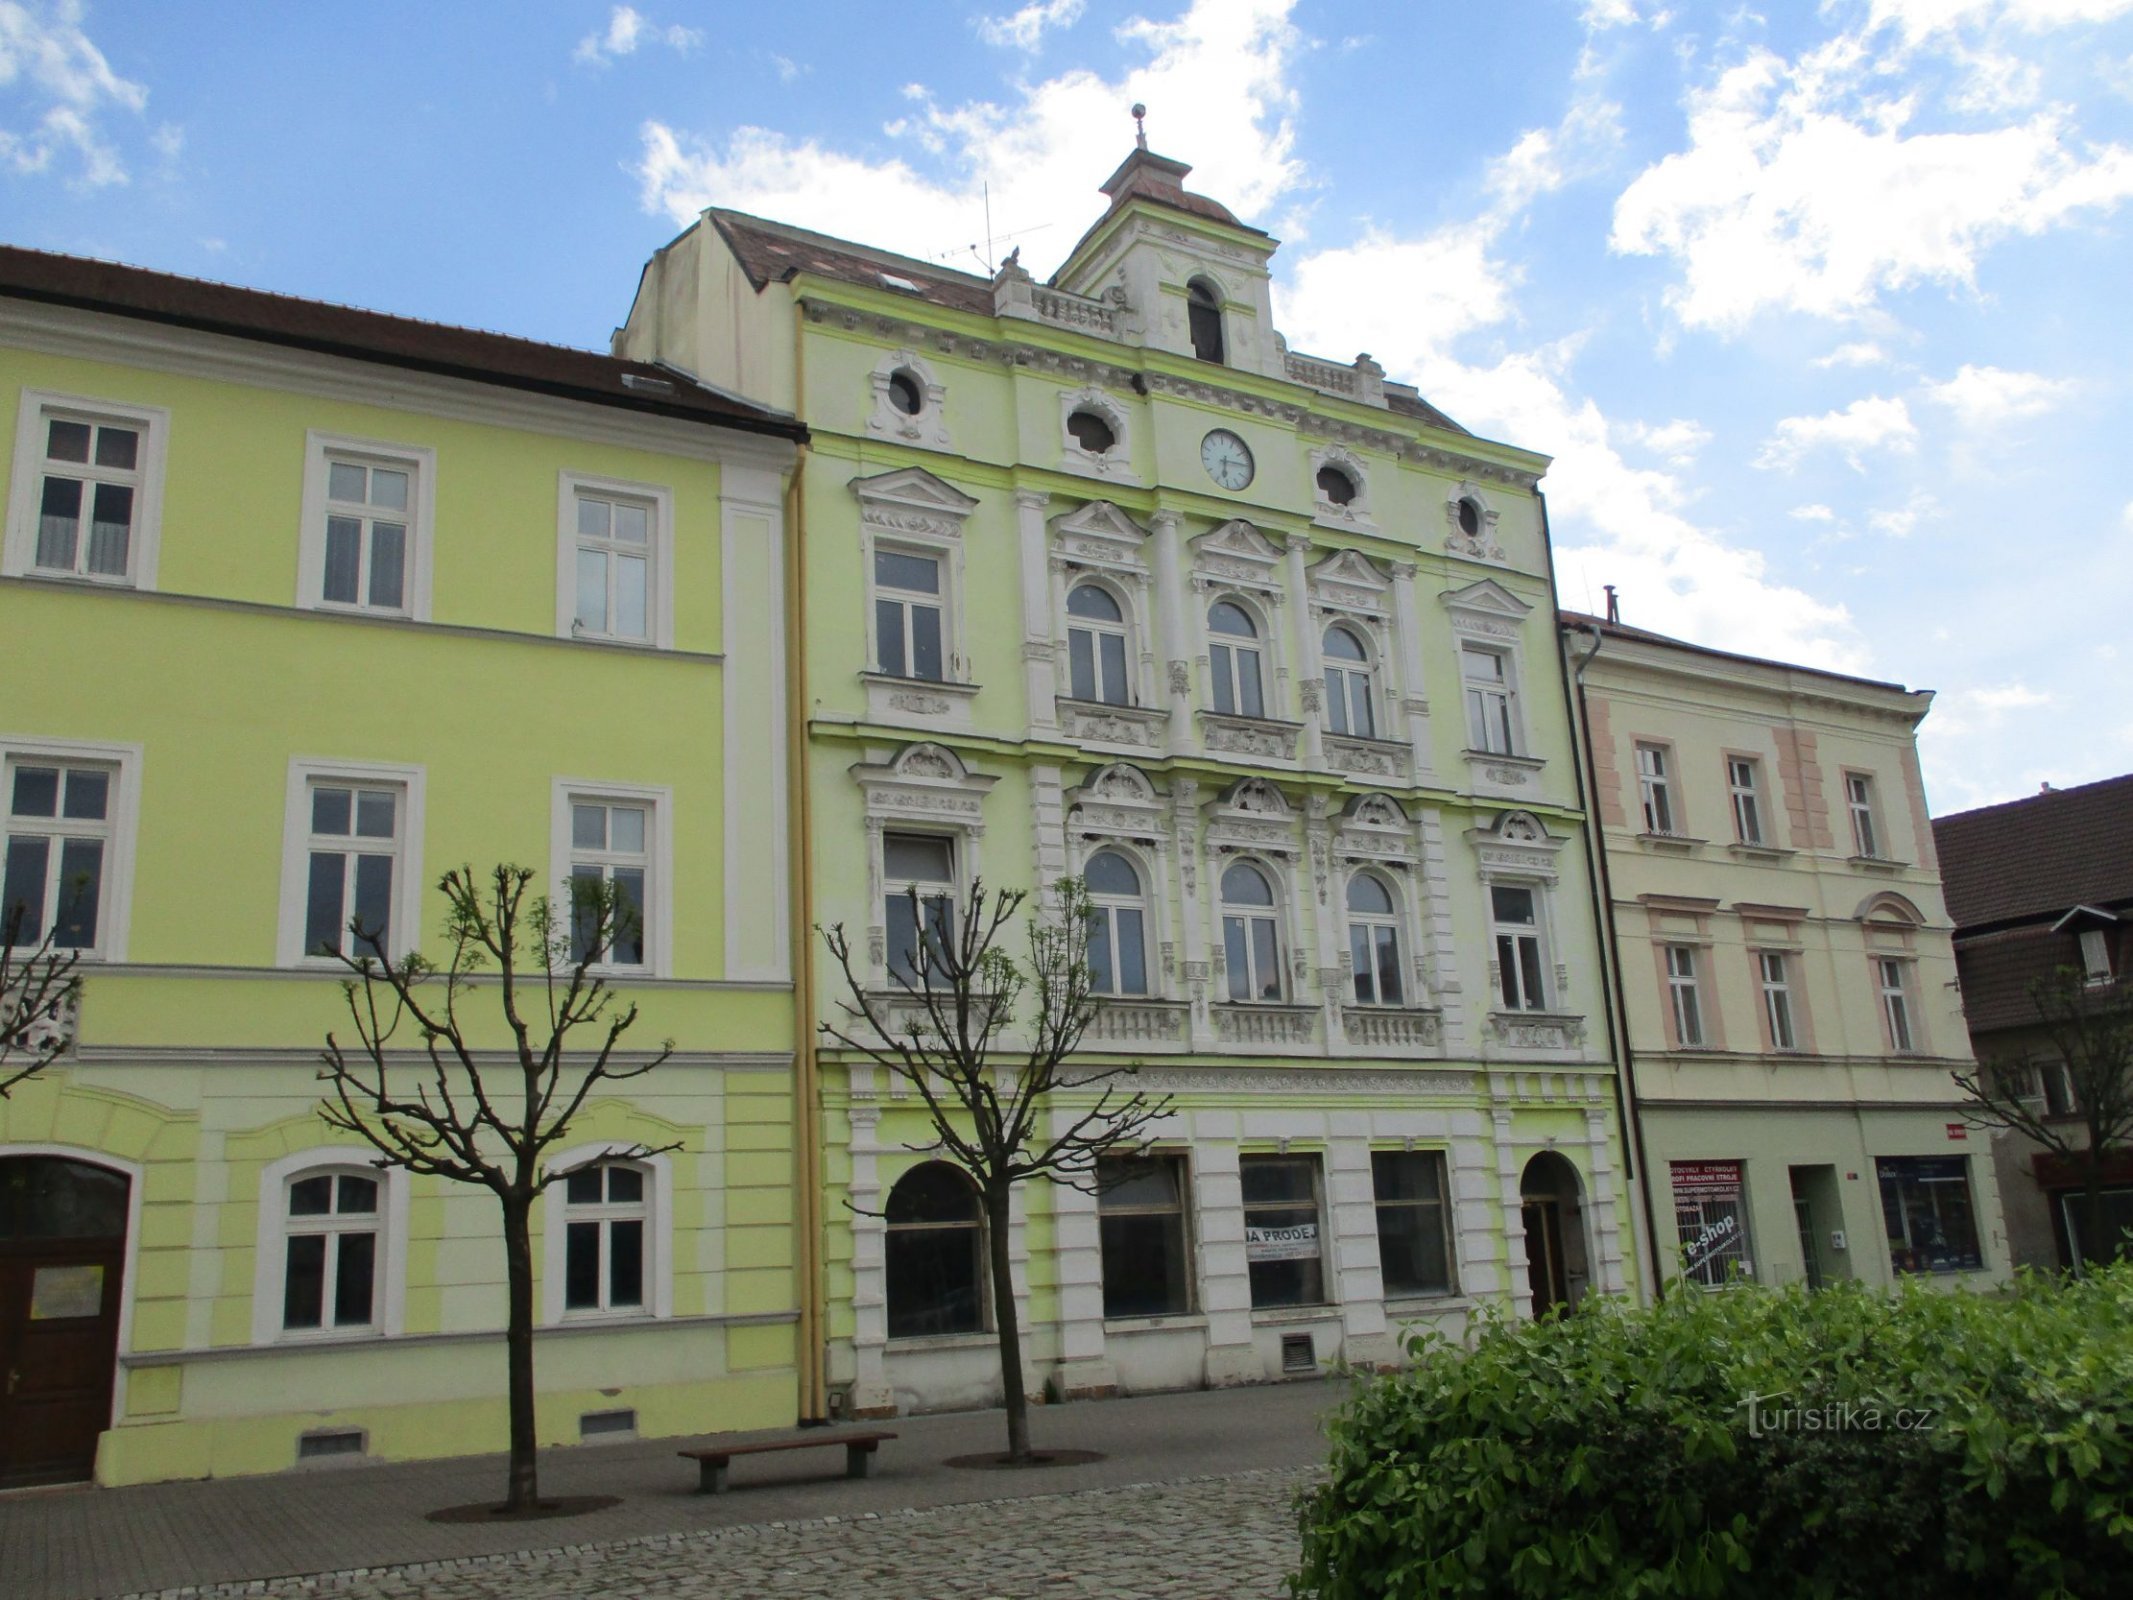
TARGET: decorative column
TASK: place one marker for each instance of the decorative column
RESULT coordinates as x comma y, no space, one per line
1604,1202
1351,1200
1225,1275
1510,1197
870,1395
1085,1369
1039,666
1177,637
1193,966
1414,692
1303,639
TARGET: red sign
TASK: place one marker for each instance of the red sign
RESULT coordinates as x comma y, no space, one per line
1958,1130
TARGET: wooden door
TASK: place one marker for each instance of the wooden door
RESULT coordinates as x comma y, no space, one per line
1544,1255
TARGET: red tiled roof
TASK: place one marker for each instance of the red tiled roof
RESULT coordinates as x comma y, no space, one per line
317,325
771,252
1995,971
2039,857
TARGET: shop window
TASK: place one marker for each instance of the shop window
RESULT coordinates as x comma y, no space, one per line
1141,1210
1283,1246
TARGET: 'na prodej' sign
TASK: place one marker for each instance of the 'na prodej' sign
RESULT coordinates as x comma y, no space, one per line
1297,1242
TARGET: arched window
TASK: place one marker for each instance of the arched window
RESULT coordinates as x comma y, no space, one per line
1374,941
1251,938
1096,646
1350,701
330,1271
1118,959
1092,430
1203,319
935,1254
1336,486
606,1212
1233,658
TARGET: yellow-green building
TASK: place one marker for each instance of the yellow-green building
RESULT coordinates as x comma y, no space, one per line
1100,578
301,606
1788,977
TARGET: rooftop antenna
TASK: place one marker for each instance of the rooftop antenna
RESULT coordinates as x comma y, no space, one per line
1140,127
1614,603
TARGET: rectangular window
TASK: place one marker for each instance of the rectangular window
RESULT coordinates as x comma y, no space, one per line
1516,916
330,1265
353,852
1234,669
1926,1203
59,838
610,843
909,639
615,540
2095,954
1774,976
922,865
1141,1210
1711,1221
2117,1222
1744,782
1655,789
1414,1222
368,505
606,1212
1859,797
1684,995
1491,713
1283,1250
86,486
1894,981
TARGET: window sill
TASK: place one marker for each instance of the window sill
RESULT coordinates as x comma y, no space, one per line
1100,722
1493,772
326,1338
1741,850
82,579
1673,843
1276,1316
1172,1322
1883,864
942,1341
1263,738
890,680
928,702
1449,1300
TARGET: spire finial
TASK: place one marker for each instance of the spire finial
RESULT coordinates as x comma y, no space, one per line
1140,129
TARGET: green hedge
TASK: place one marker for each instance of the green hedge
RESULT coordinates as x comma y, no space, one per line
1611,1453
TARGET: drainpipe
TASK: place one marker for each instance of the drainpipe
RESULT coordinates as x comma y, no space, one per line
1628,1112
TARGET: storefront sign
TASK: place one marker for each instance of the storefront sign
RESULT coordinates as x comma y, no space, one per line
1710,1208
1297,1242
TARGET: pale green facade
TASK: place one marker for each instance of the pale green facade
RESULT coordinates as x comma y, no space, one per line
214,686
947,418
1788,976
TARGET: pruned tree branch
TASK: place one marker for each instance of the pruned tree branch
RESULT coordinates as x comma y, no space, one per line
40,998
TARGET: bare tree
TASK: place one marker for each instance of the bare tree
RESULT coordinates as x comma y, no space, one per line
988,1098
40,992
442,1106
2089,1029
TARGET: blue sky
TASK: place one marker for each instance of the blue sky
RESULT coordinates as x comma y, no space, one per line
1821,310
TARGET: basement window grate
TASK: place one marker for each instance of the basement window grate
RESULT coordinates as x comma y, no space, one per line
606,1424
1298,1353
337,1442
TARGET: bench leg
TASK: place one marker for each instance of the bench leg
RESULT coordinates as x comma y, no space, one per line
711,1477
858,1460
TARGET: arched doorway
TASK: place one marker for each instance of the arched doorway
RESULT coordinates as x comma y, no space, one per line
1556,1264
62,1254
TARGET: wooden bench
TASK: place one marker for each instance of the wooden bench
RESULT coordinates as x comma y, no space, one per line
713,1460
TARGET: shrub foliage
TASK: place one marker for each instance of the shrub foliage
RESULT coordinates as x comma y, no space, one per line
1926,1444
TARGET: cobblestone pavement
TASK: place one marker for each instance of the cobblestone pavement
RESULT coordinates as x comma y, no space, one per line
1228,1538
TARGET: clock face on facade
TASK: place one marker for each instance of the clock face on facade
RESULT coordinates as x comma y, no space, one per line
1227,458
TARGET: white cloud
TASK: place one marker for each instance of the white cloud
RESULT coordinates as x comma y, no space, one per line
1900,522
1982,397
1801,189
1025,29
43,48
1873,423
1920,19
1602,14
628,29
1813,513
1219,72
1863,353
1678,441
788,69
1971,710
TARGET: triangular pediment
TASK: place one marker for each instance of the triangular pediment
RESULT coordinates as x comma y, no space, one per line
1100,519
1487,598
1239,539
1350,567
916,489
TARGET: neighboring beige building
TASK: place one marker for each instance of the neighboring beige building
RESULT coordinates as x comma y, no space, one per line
1785,967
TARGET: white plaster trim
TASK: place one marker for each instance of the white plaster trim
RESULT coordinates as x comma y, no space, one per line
19,551
659,931
420,461
754,767
659,610
115,915
658,1235
295,870
270,1259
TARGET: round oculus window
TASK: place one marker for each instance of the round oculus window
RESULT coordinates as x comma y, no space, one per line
1092,432
1336,486
905,394
1227,458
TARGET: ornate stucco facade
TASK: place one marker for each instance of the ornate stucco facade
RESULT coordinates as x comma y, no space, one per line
1787,974
1100,578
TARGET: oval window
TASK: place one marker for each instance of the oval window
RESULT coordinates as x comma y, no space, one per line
1336,485
905,394
1092,432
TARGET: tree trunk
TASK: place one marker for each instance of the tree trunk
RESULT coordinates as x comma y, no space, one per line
997,1206
524,1492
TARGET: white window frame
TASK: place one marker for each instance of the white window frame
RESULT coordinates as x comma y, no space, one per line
1258,648
1277,914
408,883
659,869
948,562
1537,931
1655,789
1866,825
1097,631
114,914
658,498
1684,992
658,1235
1353,679
1775,995
270,1256
929,889
1899,1018
1352,919
1106,908
1489,696
18,552
420,462
2095,947
1746,799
